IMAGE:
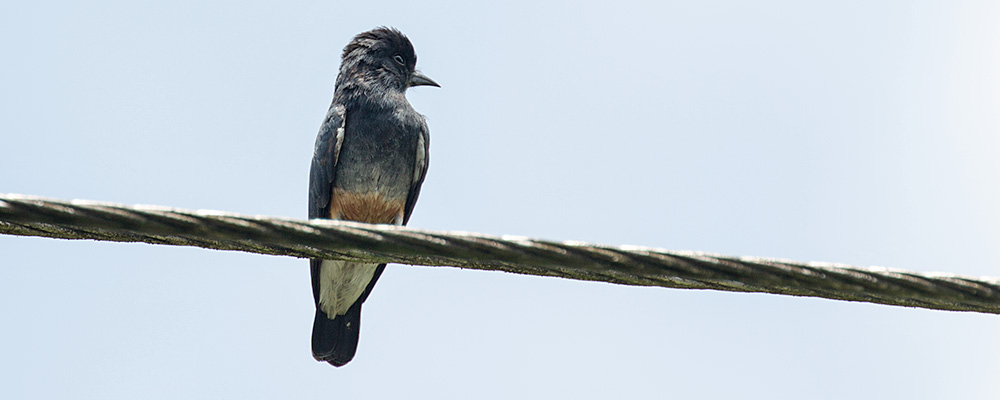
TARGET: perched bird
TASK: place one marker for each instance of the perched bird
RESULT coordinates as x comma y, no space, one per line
369,162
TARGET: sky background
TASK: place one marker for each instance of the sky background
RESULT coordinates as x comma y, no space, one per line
859,132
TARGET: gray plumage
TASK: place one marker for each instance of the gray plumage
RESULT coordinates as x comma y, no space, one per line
370,159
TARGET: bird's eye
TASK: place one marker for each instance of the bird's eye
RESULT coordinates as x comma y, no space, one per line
399,59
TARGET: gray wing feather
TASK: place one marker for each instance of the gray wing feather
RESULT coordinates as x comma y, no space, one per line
324,162
419,171
321,173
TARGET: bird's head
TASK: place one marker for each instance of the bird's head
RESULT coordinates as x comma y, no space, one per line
384,58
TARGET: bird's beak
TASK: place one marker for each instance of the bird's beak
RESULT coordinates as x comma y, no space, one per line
418,79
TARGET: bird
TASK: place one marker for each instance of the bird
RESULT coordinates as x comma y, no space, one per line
368,164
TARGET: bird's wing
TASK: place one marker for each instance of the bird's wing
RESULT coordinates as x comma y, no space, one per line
321,174
419,170
324,162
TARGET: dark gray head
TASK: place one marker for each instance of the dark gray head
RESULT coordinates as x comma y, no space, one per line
383,58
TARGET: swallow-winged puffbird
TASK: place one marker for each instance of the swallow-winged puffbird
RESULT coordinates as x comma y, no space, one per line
370,159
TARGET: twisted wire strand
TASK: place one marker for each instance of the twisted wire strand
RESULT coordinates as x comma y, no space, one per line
628,265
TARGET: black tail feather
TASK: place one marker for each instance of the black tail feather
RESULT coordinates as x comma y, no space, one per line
335,340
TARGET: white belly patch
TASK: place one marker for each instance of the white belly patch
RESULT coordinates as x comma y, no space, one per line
341,283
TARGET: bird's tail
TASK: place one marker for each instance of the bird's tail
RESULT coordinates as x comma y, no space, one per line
335,340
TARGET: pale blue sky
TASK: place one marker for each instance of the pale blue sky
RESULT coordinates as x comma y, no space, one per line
858,132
